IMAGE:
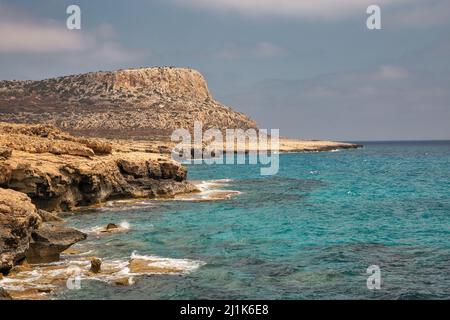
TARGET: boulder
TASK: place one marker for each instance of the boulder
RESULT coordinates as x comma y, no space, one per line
18,220
111,226
48,241
49,216
96,265
125,281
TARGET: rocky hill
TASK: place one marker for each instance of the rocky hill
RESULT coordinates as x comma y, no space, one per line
126,103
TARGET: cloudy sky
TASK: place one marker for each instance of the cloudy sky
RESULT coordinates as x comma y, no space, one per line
308,67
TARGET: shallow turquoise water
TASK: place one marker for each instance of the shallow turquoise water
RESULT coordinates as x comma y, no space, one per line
308,233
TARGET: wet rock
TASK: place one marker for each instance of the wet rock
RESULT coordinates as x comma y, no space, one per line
18,219
20,268
49,241
72,251
143,266
4,295
111,226
96,265
126,281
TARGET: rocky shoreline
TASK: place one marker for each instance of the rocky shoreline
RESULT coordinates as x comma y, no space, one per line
45,171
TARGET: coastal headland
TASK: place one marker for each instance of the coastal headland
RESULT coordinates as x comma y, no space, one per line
83,140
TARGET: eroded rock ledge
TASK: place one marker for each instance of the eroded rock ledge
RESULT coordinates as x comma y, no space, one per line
44,170
60,172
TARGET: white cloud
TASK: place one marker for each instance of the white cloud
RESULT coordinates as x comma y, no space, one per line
424,14
322,9
38,38
391,73
25,34
405,13
260,50
387,102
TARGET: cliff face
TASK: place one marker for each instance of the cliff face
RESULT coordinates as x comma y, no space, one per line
61,172
124,103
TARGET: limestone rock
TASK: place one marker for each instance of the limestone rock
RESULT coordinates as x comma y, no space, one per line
59,178
48,241
18,219
126,281
111,226
143,266
4,295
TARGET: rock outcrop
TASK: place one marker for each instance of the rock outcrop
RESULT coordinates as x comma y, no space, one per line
60,172
23,235
48,241
45,170
125,103
18,220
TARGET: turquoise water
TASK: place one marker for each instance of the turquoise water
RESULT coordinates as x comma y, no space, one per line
308,233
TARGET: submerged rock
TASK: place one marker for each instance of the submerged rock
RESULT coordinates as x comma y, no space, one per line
5,153
143,266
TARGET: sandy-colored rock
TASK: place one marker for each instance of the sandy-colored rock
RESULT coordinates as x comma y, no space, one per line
125,281
49,216
143,266
23,266
111,226
48,139
18,219
62,182
71,251
4,295
48,241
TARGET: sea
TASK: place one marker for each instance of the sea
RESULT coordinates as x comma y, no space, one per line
316,230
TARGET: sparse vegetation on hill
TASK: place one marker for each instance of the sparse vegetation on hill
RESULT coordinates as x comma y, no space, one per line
126,103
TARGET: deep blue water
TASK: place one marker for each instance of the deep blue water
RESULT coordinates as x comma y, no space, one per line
309,232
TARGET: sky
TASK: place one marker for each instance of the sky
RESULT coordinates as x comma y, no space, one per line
308,67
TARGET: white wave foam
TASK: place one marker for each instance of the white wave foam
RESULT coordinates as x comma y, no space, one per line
210,190
123,226
186,265
49,276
